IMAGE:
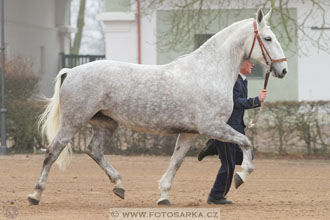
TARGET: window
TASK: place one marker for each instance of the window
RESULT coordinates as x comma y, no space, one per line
200,39
258,71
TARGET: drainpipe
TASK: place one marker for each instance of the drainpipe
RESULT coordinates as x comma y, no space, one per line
3,148
139,30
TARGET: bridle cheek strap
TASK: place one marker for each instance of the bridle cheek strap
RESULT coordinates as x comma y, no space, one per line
263,49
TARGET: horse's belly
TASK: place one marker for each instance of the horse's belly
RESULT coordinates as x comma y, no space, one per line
152,125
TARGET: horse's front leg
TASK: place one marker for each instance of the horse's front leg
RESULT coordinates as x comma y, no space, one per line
247,167
182,146
223,132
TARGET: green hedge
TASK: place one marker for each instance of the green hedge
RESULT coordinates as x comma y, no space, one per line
292,127
282,127
295,127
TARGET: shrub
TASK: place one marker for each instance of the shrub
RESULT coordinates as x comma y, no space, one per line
22,113
294,127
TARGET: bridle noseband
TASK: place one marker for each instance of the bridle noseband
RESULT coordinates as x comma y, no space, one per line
264,53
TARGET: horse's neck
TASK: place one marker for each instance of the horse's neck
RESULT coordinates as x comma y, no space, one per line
223,53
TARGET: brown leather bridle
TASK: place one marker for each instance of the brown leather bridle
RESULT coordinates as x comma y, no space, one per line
269,65
264,53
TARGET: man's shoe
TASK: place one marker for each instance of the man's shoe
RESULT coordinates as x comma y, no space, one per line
221,201
209,149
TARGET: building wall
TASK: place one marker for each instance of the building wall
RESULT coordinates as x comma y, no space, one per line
35,30
279,89
308,73
313,65
121,33
115,5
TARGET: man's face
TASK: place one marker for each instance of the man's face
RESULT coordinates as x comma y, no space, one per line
246,67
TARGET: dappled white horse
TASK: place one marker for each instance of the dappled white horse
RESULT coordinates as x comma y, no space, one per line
190,96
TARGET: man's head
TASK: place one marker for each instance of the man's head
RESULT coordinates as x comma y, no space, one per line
246,67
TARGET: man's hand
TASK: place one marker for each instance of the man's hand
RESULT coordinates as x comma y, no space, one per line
263,95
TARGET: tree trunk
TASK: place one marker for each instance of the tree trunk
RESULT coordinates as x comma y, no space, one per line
80,25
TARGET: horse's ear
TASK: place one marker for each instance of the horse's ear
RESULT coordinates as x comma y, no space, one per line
260,16
268,15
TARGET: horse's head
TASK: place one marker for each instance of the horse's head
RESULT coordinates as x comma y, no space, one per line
266,48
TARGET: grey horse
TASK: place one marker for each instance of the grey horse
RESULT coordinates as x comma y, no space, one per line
193,95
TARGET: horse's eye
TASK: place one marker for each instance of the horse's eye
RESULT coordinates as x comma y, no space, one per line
268,38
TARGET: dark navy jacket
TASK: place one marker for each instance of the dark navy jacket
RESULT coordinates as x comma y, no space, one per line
241,102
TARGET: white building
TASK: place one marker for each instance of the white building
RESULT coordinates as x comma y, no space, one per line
308,77
38,30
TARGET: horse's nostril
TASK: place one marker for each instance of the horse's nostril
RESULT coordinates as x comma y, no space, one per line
284,71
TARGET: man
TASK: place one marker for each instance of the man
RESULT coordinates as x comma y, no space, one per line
230,154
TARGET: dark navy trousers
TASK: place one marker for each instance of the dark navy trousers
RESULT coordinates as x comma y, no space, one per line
230,155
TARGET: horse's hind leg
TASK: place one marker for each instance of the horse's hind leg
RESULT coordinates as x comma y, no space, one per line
182,146
104,127
62,138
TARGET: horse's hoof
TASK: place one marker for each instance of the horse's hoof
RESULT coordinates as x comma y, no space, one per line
33,201
250,169
164,202
120,192
238,181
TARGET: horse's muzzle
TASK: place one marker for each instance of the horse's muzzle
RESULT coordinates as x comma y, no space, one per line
284,71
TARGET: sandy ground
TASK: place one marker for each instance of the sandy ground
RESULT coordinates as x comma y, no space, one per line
278,189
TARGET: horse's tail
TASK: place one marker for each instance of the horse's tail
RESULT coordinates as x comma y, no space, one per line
49,121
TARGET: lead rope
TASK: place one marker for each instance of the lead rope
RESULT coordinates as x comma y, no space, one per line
254,121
